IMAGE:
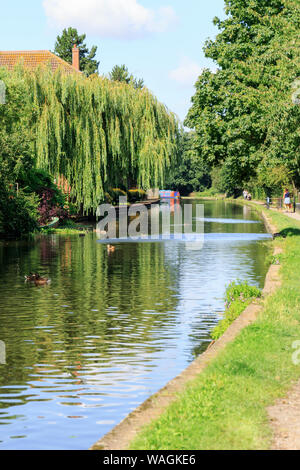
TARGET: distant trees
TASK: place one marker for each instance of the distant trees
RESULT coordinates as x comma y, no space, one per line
190,173
64,45
120,73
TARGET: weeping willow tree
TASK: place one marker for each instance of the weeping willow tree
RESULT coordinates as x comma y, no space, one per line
96,133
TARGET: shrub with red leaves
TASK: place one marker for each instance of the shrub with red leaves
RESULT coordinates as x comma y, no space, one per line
50,206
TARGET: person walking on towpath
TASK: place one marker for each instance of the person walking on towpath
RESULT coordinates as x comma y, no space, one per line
287,200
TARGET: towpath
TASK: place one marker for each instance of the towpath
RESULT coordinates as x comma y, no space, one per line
284,415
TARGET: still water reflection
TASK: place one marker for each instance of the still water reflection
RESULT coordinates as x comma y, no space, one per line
110,330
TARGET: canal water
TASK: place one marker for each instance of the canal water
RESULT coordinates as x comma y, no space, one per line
111,329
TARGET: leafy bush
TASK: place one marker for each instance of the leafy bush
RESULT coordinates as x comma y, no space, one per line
18,212
72,209
136,195
237,297
17,166
114,194
107,198
48,207
217,180
52,199
211,192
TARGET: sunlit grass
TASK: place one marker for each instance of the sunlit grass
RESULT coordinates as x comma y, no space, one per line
238,296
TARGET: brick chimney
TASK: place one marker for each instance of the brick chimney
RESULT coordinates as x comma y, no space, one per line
75,57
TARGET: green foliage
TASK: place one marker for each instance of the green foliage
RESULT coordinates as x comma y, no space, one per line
97,133
190,173
64,45
136,195
217,182
275,259
68,223
120,73
243,113
238,296
211,192
17,157
16,136
18,211
72,230
113,195
37,181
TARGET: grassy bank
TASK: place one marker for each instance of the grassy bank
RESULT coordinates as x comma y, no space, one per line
68,227
238,296
225,407
63,231
207,194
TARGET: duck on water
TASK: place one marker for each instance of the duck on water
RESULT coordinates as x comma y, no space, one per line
37,279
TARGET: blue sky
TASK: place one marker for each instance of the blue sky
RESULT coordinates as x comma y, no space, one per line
159,41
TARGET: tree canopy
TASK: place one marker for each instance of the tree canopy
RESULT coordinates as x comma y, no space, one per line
97,133
120,73
64,45
243,113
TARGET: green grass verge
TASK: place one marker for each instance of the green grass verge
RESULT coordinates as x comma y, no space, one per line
213,193
62,231
67,228
238,296
225,406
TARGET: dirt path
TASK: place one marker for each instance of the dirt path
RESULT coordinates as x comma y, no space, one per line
285,421
293,215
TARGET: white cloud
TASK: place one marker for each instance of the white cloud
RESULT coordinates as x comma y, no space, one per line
187,73
109,18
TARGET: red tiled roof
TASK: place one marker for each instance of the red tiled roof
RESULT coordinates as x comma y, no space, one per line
33,59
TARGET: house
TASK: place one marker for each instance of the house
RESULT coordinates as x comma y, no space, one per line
34,59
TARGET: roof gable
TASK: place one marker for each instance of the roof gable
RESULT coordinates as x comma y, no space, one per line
34,59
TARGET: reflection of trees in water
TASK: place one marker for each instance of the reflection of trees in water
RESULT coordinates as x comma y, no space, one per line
226,209
13,254
247,258
134,291
253,258
121,300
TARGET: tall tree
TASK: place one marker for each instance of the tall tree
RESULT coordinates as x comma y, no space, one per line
238,110
120,73
97,134
64,45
